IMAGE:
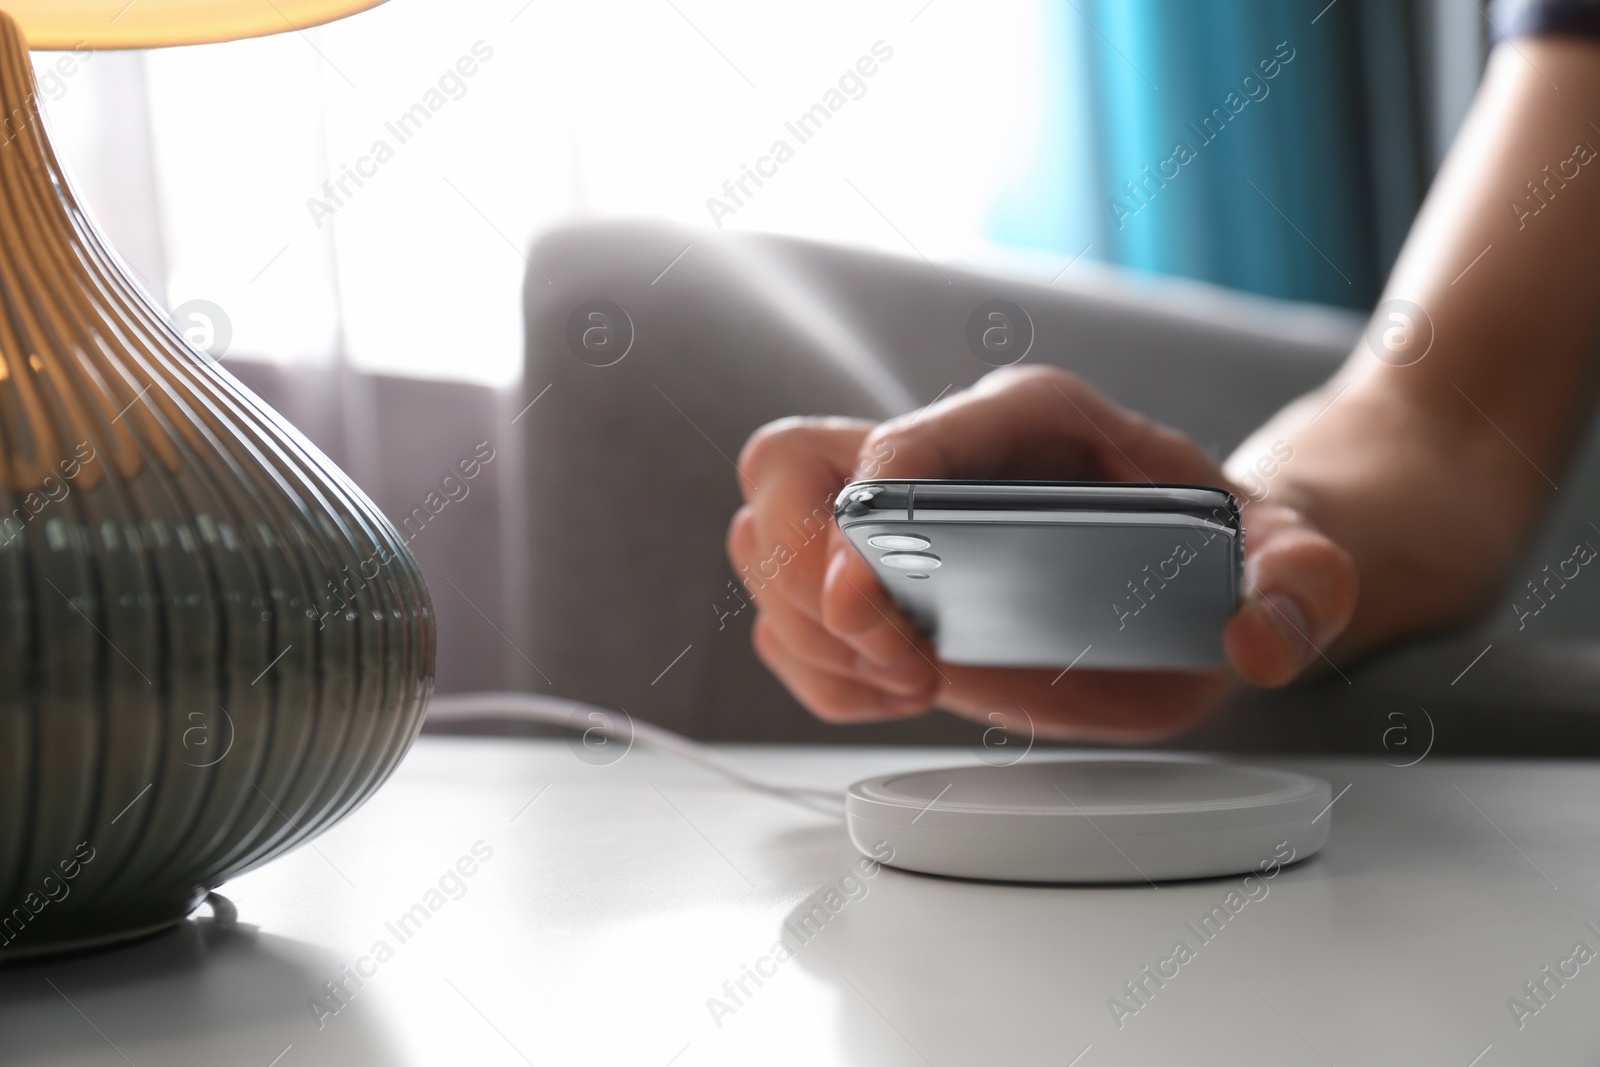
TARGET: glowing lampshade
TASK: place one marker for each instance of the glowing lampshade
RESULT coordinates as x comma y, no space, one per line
153,23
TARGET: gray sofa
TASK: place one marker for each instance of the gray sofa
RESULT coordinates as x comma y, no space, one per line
588,555
629,478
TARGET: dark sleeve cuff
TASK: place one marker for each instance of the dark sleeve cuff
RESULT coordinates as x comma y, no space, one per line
1521,18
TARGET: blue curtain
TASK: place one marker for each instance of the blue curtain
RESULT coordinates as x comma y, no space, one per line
1267,145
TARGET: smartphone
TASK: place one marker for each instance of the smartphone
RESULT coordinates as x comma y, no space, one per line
1055,574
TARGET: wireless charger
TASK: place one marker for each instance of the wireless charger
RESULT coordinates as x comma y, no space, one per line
1089,820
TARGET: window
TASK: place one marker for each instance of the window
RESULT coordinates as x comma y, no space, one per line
370,188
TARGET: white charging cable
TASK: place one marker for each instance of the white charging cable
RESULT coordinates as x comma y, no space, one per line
459,708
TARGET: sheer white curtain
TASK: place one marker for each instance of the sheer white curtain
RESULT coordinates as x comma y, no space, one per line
364,193
352,206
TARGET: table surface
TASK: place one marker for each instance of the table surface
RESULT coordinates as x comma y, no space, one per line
607,906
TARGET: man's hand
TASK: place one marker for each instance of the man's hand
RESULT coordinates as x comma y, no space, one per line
831,633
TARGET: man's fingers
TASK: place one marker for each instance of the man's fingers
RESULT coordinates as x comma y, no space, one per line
1034,422
741,538
823,448
796,466
831,697
858,610
805,641
780,543
984,431
1299,594
741,548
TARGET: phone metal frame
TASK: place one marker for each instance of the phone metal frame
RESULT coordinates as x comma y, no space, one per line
1059,574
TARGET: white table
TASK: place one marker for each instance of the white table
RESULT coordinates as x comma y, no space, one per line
619,899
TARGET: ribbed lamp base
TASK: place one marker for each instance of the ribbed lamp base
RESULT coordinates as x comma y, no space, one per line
213,646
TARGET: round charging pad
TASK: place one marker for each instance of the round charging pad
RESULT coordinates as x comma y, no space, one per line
1090,820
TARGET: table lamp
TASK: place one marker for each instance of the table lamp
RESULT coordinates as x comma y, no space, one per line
212,644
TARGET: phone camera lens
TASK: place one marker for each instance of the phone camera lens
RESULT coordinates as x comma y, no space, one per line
912,561
898,542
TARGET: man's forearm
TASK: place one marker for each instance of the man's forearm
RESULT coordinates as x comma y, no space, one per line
1430,469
